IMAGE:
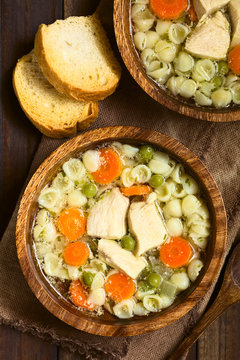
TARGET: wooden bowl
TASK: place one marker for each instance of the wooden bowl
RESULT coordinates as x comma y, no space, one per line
122,26
108,325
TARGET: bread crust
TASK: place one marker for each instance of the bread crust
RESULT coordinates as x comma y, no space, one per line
66,87
89,114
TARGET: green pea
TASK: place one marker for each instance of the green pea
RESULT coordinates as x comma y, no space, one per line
88,278
143,286
146,152
217,82
223,68
154,280
89,190
156,181
128,243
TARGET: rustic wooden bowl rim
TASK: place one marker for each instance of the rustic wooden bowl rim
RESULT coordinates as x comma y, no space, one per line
134,65
61,307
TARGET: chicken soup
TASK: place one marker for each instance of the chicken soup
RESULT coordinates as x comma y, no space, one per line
121,228
191,48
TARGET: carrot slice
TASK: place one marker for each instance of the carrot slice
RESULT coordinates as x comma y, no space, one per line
192,14
79,296
176,253
136,190
76,253
120,287
110,167
72,224
168,9
234,60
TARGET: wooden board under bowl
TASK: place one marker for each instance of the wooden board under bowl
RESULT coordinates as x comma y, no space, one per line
108,325
122,27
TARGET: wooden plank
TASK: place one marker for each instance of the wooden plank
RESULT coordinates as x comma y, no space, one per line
77,8
67,355
19,138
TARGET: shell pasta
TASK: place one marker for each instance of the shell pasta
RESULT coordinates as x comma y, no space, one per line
121,228
180,52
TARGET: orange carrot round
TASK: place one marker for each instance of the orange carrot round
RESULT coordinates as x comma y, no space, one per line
176,253
234,60
110,167
168,9
136,190
192,14
76,253
120,287
79,296
72,223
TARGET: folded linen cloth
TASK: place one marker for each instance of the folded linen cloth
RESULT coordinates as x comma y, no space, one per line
217,145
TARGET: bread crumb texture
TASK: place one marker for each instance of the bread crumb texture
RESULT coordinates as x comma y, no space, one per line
54,114
76,58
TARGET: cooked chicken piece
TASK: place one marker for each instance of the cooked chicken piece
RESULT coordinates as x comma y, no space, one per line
210,40
107,219
205,8
146,224
234,9
111,252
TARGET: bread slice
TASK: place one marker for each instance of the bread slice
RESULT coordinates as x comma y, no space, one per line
54,114
76,58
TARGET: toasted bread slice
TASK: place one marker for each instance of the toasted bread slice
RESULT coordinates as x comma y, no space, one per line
76,58
54,114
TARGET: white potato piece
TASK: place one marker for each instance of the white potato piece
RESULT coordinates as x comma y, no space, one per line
190,205
194,269
97,297
91,160
174,227
74,169
124,309
181,280
76,198
141,173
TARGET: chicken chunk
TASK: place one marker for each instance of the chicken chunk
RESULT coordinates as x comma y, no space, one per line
146,224
111,252
210,40
107,218
205,8
234,9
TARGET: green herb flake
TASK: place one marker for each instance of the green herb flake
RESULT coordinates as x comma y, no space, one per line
80,268
187,181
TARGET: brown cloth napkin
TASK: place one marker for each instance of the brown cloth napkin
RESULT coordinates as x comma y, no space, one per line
217,145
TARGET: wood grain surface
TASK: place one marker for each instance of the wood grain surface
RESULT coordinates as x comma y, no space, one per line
18,141
135,67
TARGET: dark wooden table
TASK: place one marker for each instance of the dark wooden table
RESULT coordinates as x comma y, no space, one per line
18,143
